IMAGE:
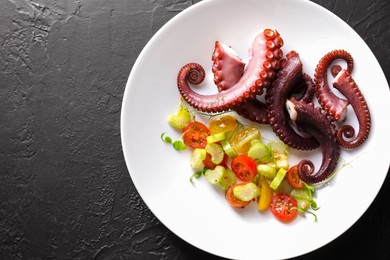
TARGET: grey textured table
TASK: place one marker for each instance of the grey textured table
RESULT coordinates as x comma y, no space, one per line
65,192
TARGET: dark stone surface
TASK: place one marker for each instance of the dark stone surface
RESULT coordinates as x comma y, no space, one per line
65,190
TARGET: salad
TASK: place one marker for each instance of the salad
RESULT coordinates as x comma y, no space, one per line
247,169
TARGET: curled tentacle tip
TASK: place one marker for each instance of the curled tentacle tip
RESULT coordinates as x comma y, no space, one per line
196,76
335,69
348,131
193,72
305,169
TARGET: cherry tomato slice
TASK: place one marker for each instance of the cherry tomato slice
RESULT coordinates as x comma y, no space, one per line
232,200
281,206
244,167
210,165
195,135
293,178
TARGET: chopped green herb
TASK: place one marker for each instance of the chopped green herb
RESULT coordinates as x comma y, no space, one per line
178,145
304,211
166,139
197,174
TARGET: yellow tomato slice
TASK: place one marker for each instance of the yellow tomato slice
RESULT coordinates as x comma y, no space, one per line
265,196
222,124
241,142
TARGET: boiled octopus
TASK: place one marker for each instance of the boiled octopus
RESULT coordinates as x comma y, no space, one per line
315,122
335,106
257,75
288,97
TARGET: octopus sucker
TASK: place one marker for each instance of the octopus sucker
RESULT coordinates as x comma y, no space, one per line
288,80
337,109
252,82
313,121
348,87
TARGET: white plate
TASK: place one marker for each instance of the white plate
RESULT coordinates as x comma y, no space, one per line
199,213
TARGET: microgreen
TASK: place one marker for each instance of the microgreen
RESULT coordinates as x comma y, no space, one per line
304,211
197,174
178,145
166,139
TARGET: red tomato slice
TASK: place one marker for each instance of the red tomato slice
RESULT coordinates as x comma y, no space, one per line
244,167
195,135
232,200
281,206
210,165
293,178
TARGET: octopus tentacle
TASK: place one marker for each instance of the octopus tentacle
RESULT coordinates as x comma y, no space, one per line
306,90
195,73
332,104
254,110
288,78
259,71
310,89
228,68
348,87
313,121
